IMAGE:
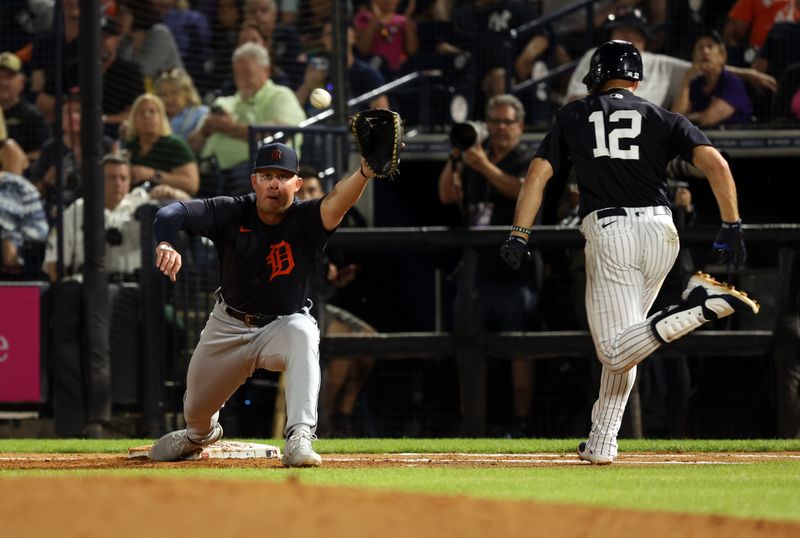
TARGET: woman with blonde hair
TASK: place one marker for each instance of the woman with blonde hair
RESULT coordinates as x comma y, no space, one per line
182,103
155,153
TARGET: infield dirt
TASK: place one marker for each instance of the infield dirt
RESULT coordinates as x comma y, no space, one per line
117,507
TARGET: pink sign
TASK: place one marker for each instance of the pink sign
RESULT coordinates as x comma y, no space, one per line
19,344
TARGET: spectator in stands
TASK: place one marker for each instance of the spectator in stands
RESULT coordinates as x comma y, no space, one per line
662,74
384,37
314,14
258,100
486,187
43,61
43,172
12,157
156,154
289,11
123,244
251,32
482,28
147,42
751,20
24,122
181,102
192,33
710,95
22,217
362,77
226,18
122,79
343,378
283,42
81,380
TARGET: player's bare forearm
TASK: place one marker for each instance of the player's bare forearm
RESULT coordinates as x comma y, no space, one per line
531,194
343,196
716,169
168,260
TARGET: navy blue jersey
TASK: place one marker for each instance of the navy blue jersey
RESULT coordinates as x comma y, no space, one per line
620,145
264,269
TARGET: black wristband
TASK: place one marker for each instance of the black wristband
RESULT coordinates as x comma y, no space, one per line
521,230
361,171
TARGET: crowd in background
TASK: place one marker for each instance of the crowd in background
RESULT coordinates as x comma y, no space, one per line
183,81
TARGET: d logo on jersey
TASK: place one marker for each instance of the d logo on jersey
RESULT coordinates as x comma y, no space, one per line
280,259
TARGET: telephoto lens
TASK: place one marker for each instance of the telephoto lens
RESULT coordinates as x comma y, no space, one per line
467,134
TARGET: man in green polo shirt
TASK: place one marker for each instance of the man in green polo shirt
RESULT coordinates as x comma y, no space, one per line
258,101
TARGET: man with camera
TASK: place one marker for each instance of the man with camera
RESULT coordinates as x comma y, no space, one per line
81,376
484,175
123,250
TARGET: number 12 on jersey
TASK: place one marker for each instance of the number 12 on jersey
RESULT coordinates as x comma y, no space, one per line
612,149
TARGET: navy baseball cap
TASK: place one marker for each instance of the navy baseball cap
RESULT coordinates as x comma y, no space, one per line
277,155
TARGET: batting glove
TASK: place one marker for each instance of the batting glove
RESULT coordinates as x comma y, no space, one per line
729,246
515,252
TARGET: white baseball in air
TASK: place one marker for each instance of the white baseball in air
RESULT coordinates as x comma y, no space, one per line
320,98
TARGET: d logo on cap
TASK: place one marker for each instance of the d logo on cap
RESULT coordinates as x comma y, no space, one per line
277,155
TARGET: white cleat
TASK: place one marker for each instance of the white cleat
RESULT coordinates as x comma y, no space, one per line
298,451
719,298
176,445
587,454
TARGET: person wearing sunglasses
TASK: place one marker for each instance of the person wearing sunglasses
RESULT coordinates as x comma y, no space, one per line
485,180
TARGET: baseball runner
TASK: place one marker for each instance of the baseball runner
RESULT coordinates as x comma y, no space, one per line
620,145
269,247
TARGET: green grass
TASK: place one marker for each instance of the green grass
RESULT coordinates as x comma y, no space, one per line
769,490
381,446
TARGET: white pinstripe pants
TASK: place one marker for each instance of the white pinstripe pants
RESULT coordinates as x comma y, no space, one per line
627,259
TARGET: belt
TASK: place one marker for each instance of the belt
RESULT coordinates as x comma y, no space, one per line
251,320
622,212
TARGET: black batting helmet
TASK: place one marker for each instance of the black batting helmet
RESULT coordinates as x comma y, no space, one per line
614,59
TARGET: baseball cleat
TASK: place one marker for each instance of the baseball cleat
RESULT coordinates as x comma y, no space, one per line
298,451
176,445
719,300
587,454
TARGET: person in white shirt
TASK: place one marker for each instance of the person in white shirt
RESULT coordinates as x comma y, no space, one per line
663,74
123,249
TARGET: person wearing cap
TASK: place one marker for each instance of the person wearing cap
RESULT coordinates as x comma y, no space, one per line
710,95
663,74
24,122
269,246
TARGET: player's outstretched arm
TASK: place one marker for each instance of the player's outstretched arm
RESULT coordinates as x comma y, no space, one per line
344,195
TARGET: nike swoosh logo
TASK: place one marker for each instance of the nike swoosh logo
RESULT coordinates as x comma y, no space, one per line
607,224
242,229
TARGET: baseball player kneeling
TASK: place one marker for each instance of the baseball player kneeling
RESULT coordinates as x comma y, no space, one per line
620,145
268,245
